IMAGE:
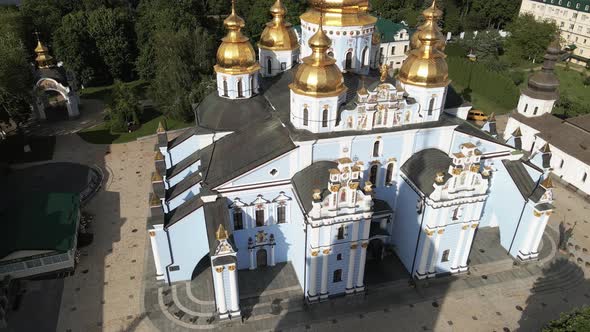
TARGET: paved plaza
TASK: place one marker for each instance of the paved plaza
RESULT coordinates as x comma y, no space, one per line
114,288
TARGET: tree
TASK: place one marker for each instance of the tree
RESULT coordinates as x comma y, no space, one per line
16,79
124,109
183,66
113,34
577,320
529,38
74,45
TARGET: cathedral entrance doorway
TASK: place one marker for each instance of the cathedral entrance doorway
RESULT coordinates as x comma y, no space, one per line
261,258
375,250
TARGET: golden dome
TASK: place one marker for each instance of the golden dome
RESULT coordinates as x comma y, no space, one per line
43,59
339,13
278,34
235,55
426,65
318,75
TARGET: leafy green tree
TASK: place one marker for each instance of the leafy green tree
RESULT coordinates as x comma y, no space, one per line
183,65
529,38
124,108
74,45
577,320
16,80
113,34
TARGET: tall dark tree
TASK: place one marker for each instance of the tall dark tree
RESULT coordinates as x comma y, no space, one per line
529,38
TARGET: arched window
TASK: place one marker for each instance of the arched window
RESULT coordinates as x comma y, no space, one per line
325,118
536,110
238,219
365,57
376,148
341,233
348,64
240,89
431,106
331,54
373,174
269,66
389,174
305,117
225,89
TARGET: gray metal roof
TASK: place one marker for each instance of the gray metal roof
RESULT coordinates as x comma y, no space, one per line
314,176
185,163
183,185
527,187
422,167
216,213
183,210
242,151
222,114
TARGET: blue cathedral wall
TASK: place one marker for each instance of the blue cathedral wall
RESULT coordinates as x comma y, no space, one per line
406,225
189,244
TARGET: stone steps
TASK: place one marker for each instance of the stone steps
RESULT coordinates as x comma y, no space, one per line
562,275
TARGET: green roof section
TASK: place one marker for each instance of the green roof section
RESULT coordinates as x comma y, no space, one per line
40,221
389,29
579,5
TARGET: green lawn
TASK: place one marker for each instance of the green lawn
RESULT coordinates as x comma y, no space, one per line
101,133
482,103
104,92
571,84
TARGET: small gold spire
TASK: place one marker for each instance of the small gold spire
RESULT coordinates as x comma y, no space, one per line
547,183
546,148
155,200
43,59
278,35
156,177
159,156
221,233
517,132
161,128
363,90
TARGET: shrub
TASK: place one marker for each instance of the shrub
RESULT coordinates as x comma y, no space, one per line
517,77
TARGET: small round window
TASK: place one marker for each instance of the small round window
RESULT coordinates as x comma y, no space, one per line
274,172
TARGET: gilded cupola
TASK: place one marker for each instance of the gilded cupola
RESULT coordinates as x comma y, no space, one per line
278,35
43,59
318,75
235,54
339,13
426,65
434,14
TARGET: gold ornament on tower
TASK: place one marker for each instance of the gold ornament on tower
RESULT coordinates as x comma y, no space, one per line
43,59
426,66
221,233
318,75
235,55
384,72
278,34
435,14
339,13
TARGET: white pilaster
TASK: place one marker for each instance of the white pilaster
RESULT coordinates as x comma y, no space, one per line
252,261
272,255
154,243
460,244
467,248
235,296
528,240
422,266
220,292
361,275
435,249
350,274
540,230
324,285
313,261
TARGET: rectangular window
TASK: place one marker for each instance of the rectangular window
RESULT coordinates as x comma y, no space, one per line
238,219
283,65
405,48
337,276
445,256
281,214
341,233
259,217
393,50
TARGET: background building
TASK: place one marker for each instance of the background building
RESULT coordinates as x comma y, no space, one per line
394,39
571,16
